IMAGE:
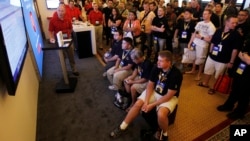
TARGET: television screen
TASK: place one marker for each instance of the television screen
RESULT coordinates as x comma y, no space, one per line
13,43
52,4
34,32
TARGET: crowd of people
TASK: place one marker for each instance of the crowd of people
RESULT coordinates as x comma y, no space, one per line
147,37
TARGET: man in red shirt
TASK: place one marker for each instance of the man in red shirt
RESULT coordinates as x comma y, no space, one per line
73,12
60,22
95,18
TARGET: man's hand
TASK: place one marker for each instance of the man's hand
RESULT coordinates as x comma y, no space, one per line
147,108
52,40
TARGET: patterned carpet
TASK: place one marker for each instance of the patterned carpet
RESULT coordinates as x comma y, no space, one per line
223,135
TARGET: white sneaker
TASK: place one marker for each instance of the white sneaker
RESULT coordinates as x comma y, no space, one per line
104,74
113,87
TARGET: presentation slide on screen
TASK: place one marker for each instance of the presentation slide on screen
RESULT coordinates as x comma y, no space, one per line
34,32
13,30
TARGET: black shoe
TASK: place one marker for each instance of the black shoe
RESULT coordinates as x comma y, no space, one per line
147,135
234,115
117,132
164,138
224,108
117,104
76,73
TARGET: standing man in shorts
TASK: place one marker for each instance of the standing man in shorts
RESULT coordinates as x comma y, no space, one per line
204,30
161,93
223,51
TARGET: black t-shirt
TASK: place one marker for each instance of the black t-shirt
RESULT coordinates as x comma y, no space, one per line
171,80
246,73
124,55
185,30
116,48
107,12
229,41
244,28
144,69
196,13
178,11
215,19
158,22
114,19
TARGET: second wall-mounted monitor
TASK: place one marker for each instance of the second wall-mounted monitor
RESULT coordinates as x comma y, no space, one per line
34,32
52,4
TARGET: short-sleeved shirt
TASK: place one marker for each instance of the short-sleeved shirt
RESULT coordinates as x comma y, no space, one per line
56,25
114,19
185,30
124,13
246,73
244,28
95,17
205,29
73,13
135,24
116,47
229,41
147,21
215,20
172,80
107,12
158,22
144,69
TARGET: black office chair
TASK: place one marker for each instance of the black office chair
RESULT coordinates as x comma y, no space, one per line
151,119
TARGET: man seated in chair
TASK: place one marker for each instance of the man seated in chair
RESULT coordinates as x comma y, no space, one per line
112,55
123,66
162,92
137,82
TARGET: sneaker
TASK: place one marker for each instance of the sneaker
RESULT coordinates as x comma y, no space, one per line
224,108
117,132
117,104
160,137
113,87
104,74
76,73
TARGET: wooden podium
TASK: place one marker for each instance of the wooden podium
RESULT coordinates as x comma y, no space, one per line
67,84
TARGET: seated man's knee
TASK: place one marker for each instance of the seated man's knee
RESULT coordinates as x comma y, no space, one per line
163,113
139,103
132,88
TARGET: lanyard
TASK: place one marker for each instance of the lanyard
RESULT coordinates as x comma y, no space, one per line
163,76
145,15
186,25
125,55
224,35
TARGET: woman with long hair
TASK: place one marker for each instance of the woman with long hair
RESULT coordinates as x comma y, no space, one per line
115,21
132,25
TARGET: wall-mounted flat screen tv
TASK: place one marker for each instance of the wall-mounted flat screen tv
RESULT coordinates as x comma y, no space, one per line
13,43
52,4
34,32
